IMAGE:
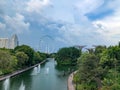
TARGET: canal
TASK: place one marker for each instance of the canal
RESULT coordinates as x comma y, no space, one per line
42,77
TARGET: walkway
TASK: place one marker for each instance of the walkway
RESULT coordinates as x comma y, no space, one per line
19,71
70,82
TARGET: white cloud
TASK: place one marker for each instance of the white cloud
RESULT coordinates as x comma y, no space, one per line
83,31
16,24
102,31
112,28
37,5
12,16
111,23
86,6
83,7
72,34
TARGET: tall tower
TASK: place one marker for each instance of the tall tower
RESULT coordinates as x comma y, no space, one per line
13,42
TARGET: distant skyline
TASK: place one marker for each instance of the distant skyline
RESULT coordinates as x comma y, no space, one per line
68,22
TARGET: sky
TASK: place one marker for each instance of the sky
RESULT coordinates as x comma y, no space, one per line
61,23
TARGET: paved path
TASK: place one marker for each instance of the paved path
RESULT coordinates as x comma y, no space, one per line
70,82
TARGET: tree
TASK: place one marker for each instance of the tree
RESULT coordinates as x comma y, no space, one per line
114,54
37,58
119,44
99,69
22,59
8,62
99,49
27,50
89,71
105,61
68,56
43,56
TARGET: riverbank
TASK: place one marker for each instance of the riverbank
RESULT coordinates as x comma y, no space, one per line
71,85
19,71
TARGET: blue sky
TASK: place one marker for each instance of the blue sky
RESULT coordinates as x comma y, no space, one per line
67,22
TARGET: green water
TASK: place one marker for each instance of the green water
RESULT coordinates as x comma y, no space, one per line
47,79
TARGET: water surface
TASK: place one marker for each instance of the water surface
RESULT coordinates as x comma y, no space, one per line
42,77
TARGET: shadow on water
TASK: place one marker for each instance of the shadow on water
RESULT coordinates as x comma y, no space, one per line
65,70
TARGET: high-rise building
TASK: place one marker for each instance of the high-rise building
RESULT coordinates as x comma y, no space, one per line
9,43
4,42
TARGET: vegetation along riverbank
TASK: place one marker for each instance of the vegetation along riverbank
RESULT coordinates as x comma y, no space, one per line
20,59
98,68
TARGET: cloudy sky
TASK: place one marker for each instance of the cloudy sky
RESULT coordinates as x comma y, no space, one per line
61,23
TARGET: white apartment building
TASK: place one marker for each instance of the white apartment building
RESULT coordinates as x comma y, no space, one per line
9,43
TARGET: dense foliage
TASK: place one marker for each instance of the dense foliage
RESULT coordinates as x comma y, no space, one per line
99,69
68,56
67,59
19,58
7,62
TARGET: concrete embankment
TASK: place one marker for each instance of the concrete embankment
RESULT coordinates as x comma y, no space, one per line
19,71
70,82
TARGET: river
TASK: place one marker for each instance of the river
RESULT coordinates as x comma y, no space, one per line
42,77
